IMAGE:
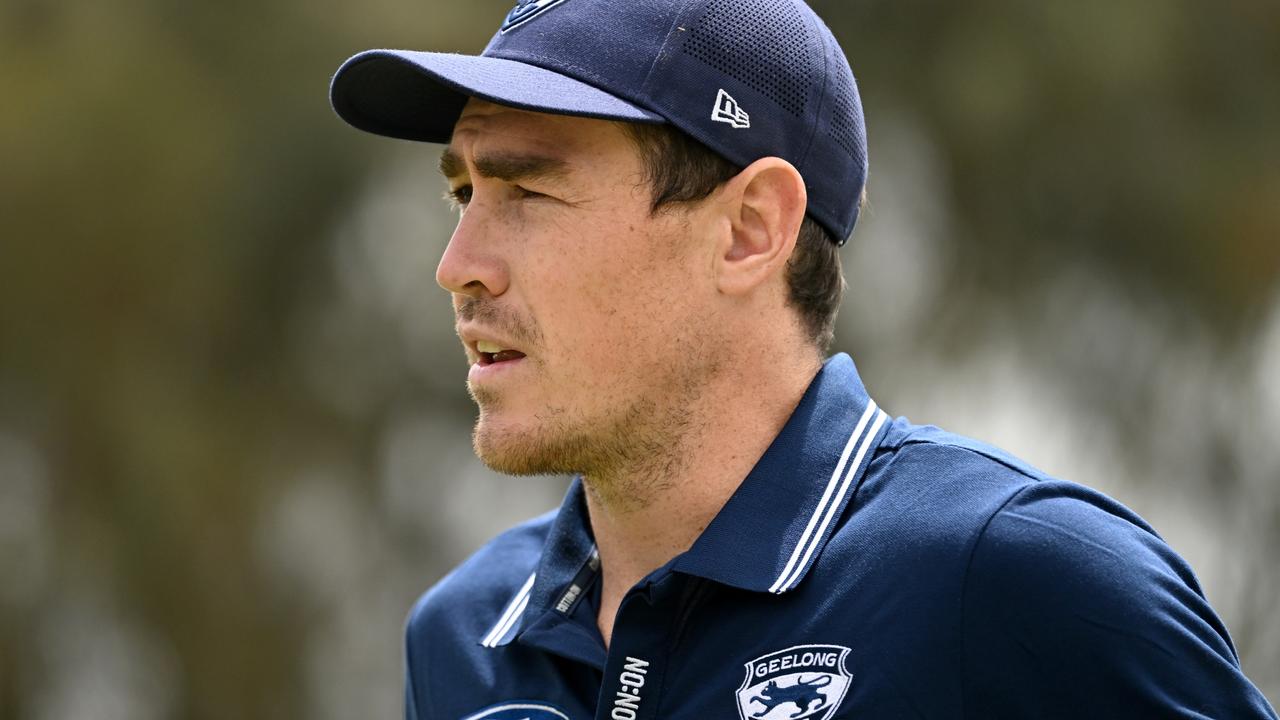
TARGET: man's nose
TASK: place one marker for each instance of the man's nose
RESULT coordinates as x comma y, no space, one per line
472,263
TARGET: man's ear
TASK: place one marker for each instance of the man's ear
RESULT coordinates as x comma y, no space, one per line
765,206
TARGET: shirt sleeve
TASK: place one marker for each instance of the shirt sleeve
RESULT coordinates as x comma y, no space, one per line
1073,607
412,672
410,709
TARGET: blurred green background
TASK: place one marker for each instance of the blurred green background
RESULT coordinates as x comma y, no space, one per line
233,429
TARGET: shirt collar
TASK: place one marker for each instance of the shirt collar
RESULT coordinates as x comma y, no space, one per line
773,528
569,561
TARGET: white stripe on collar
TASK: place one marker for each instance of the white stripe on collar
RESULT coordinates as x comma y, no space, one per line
832,497
514,610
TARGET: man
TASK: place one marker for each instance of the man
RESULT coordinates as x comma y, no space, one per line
645,275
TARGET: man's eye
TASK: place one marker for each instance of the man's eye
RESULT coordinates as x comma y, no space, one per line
459,196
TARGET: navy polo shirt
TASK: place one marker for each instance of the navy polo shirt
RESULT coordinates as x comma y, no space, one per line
865,568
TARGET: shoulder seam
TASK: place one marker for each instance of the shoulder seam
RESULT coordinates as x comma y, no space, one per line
979,453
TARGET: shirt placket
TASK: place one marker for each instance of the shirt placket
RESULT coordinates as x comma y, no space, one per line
638,652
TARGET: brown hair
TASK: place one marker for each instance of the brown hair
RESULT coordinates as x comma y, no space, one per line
682,170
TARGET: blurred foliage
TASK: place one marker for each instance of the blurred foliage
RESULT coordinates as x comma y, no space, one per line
1140,134
171,177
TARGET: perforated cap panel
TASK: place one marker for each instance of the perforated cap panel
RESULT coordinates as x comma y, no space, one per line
845,113
728,38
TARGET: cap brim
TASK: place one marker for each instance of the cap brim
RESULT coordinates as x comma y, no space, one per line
419,95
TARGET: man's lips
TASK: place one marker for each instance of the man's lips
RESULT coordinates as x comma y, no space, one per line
493,359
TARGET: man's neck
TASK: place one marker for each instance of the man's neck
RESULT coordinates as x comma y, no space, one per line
654,513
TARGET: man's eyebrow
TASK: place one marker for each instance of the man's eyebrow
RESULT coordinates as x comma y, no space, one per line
508,166
451,166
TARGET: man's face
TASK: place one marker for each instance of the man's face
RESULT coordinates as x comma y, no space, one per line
583,313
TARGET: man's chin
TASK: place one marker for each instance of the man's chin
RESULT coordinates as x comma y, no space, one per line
515,450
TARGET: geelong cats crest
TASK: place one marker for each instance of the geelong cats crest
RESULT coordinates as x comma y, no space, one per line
805,681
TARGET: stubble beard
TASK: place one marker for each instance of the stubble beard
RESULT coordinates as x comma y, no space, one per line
625,454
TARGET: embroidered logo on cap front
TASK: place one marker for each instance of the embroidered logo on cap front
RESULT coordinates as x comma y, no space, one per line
805,681
526,10
519,710
728,111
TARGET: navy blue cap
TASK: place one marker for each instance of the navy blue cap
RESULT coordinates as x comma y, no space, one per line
747,78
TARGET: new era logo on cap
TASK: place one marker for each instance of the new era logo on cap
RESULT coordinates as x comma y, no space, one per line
526,10
728,111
